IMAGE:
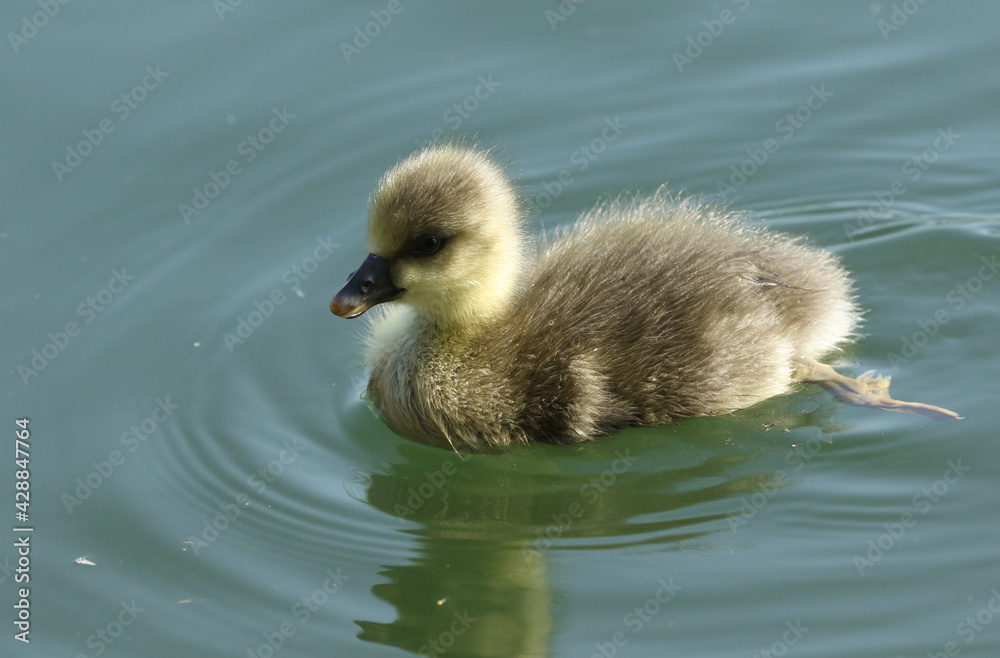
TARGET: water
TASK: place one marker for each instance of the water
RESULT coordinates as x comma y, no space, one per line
196,433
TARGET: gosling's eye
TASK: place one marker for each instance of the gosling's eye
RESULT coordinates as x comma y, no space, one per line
428,245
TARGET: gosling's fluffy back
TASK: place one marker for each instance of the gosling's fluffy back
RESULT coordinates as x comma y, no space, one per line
706,260
686,310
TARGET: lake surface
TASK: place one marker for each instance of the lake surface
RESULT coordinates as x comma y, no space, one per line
185,188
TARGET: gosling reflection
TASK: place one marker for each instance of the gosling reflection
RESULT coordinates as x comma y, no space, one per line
479,584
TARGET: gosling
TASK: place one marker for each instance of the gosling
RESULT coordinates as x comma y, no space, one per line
644,313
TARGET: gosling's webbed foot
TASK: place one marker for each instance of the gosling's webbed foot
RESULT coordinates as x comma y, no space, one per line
875,385
867,390
874,392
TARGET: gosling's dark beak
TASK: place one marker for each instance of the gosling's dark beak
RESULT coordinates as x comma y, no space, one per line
370,285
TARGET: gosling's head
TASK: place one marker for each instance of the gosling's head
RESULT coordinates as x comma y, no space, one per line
444,236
